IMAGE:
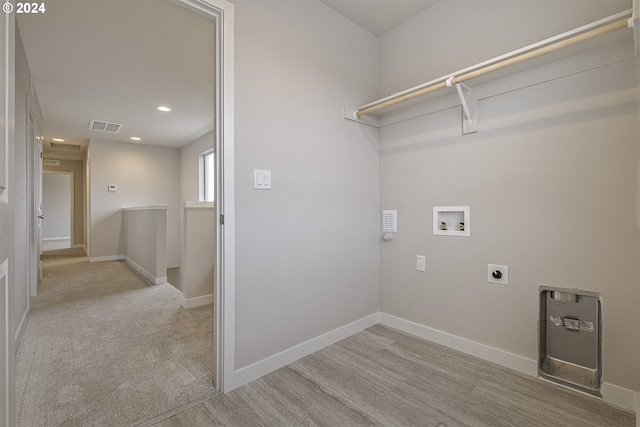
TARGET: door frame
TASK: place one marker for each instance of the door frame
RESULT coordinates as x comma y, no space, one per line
34,178
221,12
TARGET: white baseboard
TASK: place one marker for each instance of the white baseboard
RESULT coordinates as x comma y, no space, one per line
106,258
150,277
20,329
613,394
501,357
620,396
197,301
49,239
277,361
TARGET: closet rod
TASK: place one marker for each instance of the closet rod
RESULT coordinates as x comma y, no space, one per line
515,57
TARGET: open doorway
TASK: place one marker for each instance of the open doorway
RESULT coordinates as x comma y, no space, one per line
58,201
223,130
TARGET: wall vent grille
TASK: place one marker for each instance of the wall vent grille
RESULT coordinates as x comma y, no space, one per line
102,126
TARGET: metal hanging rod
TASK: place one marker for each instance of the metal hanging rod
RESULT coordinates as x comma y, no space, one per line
552,44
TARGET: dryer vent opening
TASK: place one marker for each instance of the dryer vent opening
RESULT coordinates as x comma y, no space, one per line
570,338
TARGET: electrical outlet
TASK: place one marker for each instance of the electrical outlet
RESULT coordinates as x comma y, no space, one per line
421,263
498,274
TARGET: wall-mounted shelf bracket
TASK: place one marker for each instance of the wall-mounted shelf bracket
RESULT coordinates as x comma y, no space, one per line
469,125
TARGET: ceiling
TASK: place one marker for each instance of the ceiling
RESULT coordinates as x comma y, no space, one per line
118,60
108,61
379,16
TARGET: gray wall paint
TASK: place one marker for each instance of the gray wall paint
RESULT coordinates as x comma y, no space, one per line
306,251
551,178
20,194
145,175
190,167
455,34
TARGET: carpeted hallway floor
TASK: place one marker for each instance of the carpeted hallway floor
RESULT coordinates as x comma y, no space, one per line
102,348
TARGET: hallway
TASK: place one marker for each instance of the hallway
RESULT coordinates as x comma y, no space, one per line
101,347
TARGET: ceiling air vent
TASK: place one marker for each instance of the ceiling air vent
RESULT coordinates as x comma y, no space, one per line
104,126
59,146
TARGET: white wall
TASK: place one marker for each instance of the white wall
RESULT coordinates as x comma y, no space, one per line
551,178
56,202
190,167
306,251
144,175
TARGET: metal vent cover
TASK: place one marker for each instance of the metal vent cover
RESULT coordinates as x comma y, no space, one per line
102,126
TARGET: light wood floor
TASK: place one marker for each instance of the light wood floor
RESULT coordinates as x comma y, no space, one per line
383,377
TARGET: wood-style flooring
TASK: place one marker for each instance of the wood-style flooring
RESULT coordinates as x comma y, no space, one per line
383,377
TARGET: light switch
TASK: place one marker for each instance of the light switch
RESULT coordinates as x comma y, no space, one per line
112,188
261,179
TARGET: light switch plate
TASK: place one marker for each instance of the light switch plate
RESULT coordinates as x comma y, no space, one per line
421,263
261,179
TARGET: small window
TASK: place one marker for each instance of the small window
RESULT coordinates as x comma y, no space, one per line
207,174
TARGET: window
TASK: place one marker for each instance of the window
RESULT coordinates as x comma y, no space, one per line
207,174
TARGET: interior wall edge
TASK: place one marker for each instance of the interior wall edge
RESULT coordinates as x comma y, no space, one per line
265,366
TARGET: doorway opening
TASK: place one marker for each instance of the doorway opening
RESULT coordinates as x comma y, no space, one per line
222,129
58,206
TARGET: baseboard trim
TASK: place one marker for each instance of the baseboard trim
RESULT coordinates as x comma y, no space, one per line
277,361
197,301
20,330
106,258
49,239
150,277
491,354
611,393
621,396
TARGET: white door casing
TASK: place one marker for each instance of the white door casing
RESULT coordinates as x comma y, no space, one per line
221,12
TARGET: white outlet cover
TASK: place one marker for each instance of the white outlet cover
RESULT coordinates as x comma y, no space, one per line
503,269
421,263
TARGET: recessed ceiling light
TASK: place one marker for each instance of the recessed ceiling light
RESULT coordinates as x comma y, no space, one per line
163,108
135,138
58,140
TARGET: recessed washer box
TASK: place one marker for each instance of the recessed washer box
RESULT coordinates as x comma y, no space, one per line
452,221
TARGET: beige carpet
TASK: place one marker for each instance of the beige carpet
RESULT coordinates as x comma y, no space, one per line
102,348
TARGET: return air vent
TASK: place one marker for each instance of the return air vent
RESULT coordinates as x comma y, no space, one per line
104,126
59,146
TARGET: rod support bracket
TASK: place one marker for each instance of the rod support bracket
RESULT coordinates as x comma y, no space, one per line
469,109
